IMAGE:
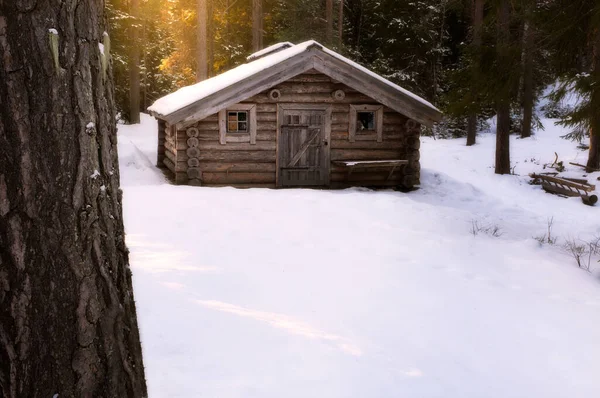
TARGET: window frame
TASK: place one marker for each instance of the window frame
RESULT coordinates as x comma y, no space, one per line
368,135
240,137
237,122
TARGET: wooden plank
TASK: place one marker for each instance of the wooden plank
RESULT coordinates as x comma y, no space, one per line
236,156
233,146
171,156
266,116
369,184
371,144
375,164
319,98
237,178
267,126
222,126
170,165
264,108
375,176
218,167
395,118
311,78
365,154
242,186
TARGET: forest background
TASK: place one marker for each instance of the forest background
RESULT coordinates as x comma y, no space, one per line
474,59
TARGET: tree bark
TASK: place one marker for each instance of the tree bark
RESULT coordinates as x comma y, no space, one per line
477,29
202,66
257,28
329,21
528,95
134,66
67,314
341,25
594,154
503,101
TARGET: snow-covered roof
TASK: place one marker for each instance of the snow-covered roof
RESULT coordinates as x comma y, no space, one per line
172,106
271,49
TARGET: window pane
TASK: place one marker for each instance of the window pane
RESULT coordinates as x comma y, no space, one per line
242,116
232,127
366,120
233,116
242,126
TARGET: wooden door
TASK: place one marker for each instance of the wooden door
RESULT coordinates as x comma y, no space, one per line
303,147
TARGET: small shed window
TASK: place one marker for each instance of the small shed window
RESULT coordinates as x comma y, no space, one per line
237,124
366,121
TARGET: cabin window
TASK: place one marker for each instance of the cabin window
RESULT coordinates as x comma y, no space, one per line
366,123
237,124
237,121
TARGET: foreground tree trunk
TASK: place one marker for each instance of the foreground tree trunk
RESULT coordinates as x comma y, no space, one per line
257,28
67,314
202,48
594,155
134,66
477,33
503,101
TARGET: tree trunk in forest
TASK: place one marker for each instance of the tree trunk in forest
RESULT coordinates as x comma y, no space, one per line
477,33
329,21
211,40
503,100
68,323
594,154
528,95
257,25
202,66
341,25
134,66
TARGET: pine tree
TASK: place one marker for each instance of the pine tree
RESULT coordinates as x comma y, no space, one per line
134,65
503,98
573,31
202,44
257,25
477,33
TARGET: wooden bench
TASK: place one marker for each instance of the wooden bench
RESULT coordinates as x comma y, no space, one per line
363,165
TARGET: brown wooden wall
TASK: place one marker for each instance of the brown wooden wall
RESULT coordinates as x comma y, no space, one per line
245,165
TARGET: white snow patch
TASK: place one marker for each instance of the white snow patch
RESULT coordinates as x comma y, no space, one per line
355,293
90,125
103,188
101,47
270,49
95,175
53,31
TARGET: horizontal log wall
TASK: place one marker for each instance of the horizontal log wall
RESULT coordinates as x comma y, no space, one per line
243,165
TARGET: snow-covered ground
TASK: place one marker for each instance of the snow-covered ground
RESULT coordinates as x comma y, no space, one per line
355,293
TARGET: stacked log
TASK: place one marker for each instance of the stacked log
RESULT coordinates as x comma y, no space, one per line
412,171
193,153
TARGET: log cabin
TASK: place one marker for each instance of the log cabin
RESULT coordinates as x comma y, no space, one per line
293,116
